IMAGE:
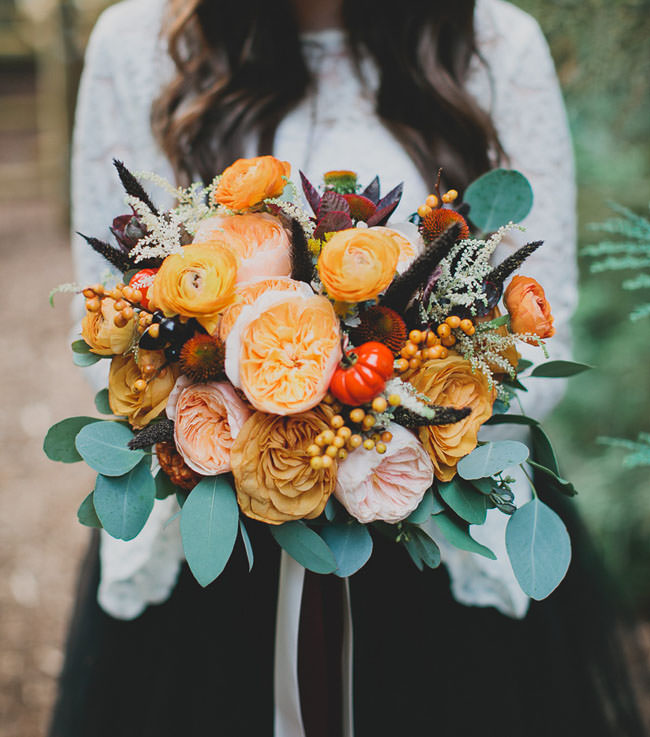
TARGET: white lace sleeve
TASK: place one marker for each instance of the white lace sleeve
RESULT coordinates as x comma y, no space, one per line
528,111
141,571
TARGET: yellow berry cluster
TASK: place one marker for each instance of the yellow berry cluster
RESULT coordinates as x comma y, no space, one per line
433,201
341,439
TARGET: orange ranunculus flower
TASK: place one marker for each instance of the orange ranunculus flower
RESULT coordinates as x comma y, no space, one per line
259,240
250,181
139,407
528,308
273,477
198,282
246,294
357,264
98,329
450,382
283,350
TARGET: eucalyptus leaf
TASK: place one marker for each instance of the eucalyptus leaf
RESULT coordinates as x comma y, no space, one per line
164,485
511,419
85,359
305,546
523,365
209,525
80,346
543,449
456,532
491,458
427,549
181,498
468,503
86,513
101,402
559,369
124,503
59,442
438,506
330,509
103,445
413,549
539,548
424,510
557,482
498,197
248,546
351,544
485,486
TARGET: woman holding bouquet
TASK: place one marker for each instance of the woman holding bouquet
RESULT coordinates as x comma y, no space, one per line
184,87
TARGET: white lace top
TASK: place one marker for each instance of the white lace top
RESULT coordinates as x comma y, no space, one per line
334,127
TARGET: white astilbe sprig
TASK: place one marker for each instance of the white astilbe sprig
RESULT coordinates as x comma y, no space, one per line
163,232
411,399
462,274
294,212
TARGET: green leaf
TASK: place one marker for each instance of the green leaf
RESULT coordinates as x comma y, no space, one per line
557,482
101,402
438,506
523,365
85,359
248,546
86,513
103,445
559,369
543,450
424,510
181,497
80,346
164,485
330,509
511,419
209,525
351,544
59,441
491,458
497,198
124,503
539,548
305,546
457,533
414,551
424,546
485,486
468,503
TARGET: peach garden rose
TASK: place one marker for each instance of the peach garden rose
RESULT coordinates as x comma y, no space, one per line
207,419
260,241
385,487
283,350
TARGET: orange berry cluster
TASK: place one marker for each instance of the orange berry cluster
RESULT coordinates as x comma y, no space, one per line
422,345
341,439
125,298
432,202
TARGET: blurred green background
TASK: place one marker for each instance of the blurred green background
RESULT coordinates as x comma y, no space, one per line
602,52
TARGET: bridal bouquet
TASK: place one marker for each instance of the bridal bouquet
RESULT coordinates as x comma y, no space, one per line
325,373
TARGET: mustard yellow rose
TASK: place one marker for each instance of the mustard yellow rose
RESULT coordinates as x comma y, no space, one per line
449,382
139,407
198,282
274,480
248,182
98,329
357,264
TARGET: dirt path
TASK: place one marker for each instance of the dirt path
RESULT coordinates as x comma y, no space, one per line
40,539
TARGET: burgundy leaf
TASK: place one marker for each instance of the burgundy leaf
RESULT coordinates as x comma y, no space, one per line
361,208
332,202
394,196
311,194
381,216
333,221
372,191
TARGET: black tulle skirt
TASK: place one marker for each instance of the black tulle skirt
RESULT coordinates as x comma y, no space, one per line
201,664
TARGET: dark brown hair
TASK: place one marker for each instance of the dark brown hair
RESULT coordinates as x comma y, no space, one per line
240,68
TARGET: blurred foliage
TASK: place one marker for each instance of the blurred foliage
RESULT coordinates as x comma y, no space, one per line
601,51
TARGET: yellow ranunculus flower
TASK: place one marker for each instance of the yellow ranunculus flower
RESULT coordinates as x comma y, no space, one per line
357,264
198,282
98,329
139,407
